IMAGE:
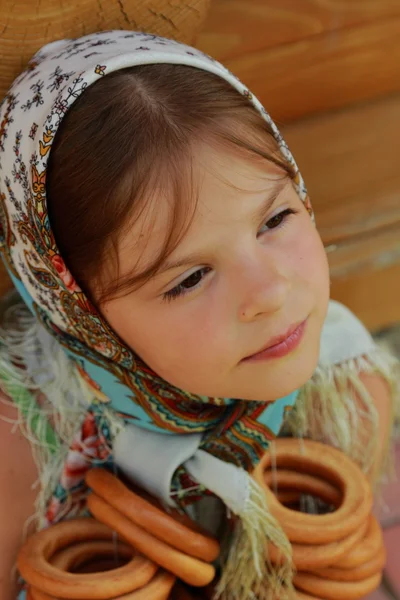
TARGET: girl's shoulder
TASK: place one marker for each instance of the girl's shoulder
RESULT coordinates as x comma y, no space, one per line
18,474
354,389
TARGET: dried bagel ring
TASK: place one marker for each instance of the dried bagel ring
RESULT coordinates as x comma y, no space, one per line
73,557
309,557
98,566
159,588
288,497
154,520
372,567
302,483
36,569
303,596
333,466
336,590
191,570
366,551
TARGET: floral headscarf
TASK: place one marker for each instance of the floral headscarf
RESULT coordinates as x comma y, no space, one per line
231,430
30,116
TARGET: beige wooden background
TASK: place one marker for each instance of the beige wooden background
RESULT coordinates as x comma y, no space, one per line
328,71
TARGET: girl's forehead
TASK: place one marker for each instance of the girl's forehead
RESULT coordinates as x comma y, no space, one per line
223,182
226,189
235,173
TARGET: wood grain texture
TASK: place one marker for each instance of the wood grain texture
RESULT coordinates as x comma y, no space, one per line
350,162
303,57
237,27
375,251
27,25
313,72
373,295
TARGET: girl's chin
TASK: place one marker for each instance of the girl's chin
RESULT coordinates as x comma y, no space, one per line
262,381
284,382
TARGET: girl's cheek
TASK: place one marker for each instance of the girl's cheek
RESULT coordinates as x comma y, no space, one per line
308,252
309,267
207,324
315,269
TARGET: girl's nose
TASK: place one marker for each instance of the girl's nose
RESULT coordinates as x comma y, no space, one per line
263,291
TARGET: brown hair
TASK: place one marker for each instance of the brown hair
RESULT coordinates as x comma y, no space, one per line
128,138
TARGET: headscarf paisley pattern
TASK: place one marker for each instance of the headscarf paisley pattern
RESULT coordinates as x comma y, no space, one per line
233,430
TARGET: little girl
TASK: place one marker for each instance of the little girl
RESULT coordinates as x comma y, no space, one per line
156,227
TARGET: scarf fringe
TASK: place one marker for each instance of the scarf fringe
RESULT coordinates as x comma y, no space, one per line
49,415
335,407
247,571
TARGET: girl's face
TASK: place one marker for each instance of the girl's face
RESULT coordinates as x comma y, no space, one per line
250,274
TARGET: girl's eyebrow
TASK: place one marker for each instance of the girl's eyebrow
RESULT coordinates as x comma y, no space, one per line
196,258
189,260
279,186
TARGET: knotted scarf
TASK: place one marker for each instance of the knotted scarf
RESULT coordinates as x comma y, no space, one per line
225,430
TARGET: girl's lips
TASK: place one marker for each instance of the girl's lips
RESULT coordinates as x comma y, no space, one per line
281,346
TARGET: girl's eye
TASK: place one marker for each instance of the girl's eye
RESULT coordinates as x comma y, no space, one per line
277,220
187,285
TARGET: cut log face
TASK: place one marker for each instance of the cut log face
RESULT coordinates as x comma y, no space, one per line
27,26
